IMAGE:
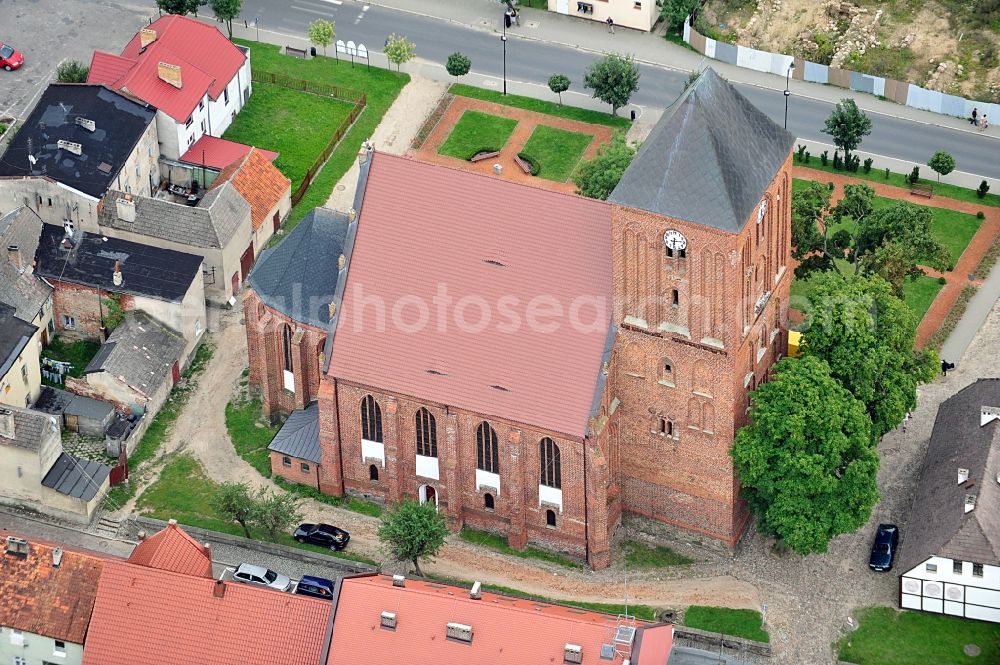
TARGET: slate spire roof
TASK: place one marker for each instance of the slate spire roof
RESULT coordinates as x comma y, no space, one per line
708,160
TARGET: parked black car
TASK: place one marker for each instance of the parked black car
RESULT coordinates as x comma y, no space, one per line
884,547
323,535
316,587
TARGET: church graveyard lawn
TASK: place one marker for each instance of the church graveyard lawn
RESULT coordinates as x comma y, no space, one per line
477,132
250,434
541,106
297,125
739,623
555,152
640,555
499,543
891,637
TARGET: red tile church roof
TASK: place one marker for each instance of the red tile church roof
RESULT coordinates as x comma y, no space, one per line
488,242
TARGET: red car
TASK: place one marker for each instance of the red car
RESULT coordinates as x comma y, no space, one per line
9,58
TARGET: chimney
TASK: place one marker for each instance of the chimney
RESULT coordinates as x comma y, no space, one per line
142,536
219,590
388,620
70,146
18,546
332,309
116,279
14,255
7,423
458,631
125,207
169,74
87,124
208,551
57,555
352,214
171,522
398,580
475,593
146,37
341,262
572,653
963,475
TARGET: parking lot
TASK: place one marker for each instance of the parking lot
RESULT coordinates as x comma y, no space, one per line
49,31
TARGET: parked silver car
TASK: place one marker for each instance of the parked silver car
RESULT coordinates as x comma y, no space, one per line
251,574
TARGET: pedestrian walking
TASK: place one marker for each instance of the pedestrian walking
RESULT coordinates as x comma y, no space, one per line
611,25
906,419
974,121
984,124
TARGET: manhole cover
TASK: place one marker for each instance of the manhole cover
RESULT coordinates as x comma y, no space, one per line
972,650
341,188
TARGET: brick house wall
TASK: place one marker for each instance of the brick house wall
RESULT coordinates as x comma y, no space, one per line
295,470
81,303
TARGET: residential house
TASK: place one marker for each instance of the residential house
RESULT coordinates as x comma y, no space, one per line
48,594
950,553
442,624
636,14
138,365
30,296
265,188
20,372
196,78
38,474
218,230
95,275
79,142
214,153
174,550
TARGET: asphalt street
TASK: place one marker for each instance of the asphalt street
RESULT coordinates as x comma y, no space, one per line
534,61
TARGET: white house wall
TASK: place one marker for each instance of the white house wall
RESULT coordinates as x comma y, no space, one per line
946,592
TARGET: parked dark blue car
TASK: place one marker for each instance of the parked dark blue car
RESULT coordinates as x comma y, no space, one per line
316,587
884,547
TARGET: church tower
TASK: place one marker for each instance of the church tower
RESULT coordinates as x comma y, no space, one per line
701,248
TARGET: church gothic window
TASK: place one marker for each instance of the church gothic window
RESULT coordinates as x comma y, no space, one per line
371,420
426,433
550,464
487,455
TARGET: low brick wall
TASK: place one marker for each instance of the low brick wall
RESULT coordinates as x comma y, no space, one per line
703,639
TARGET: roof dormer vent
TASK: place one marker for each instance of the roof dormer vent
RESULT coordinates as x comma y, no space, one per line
388,620
970,502
459,631
572,653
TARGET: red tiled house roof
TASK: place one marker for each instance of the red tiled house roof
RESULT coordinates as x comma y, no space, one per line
173,549
505,630
258,181
216,153
422,227
41,598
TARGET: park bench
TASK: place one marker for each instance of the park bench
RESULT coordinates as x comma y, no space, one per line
523,163
297,52
922,190
480,156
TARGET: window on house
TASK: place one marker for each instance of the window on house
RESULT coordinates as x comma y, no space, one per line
304,467
675,297
427,444
551,471
956,567
487,454
201,105
931,567
666,427
69,322
24,373
667,370
977,570
50,201
191,140
489,502
225,95
373,473
20,660
637,4
59,649
550,519
286,347
190,121
286,461
202,126
371,420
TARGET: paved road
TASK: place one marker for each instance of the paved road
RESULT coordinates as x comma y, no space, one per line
534,61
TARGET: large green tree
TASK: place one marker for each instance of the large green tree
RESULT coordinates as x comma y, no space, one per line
613,78
412,531
807,459
597,177
181,7
276,512
236,502
847,125
226,11
674,12
865,334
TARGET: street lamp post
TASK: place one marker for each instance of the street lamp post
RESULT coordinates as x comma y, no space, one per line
788,76
503,38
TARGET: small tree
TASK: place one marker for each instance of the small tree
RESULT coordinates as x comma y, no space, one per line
597,178
412,530
941,163
181,7
72,71
276,513
847,125
983,188
321,33
613,78
235,502
559,83
226,11
458,64
674,12
399,49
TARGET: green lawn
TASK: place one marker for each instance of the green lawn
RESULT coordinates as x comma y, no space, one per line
741,623
556,152
890,637
79,353
249,436
477,132
540,106
295,124
640,555
920,293
380,86
499,543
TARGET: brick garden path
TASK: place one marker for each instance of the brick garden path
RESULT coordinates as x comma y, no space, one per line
526,122
957,278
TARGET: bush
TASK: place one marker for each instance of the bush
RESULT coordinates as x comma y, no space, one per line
800,153
458,64
72,71
824,158
868,165
836,161
914,176
942,281
531,161
980,215
808,157
982,189
887,173
831,186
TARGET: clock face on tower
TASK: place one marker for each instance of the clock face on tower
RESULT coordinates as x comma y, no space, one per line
674,240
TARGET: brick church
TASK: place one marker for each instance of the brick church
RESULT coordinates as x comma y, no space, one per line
535,363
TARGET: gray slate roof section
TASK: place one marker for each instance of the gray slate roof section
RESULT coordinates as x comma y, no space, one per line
939,524
212,223
14,336
76,477
299,436
708,160
22,227
140,352
30,428
299,276
19,288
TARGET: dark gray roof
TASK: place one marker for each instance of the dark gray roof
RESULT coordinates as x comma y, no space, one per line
19,288
939,525
298,277
140,352
299,436
146,270
30,428
14,336
120,123
21,226
708,160
58,402
76,477
212,223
